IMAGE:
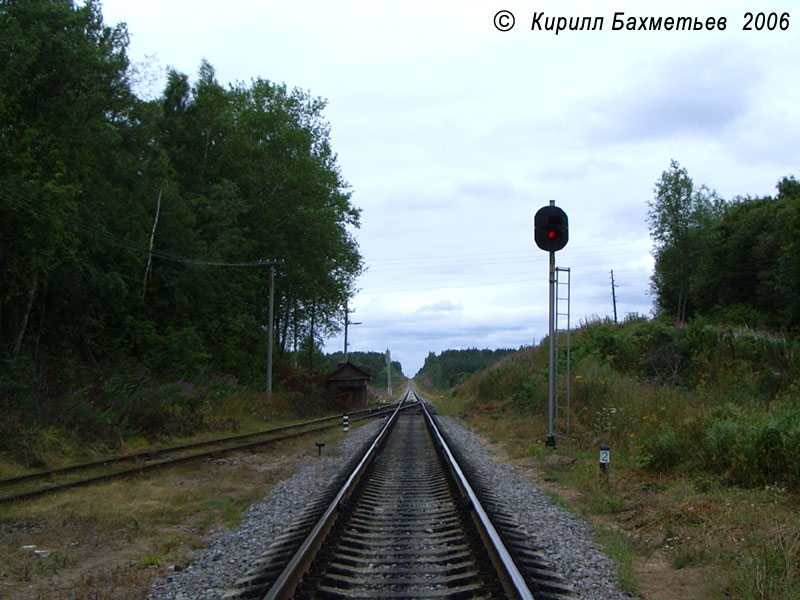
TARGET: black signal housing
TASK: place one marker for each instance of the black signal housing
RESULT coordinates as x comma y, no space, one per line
550,228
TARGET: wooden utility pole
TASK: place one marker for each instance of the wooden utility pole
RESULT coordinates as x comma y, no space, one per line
270,327
614,295
347,323
389,373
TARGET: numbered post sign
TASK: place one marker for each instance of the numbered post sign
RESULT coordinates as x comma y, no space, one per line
605,458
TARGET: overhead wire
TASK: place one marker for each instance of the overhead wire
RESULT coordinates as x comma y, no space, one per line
394,264
105,236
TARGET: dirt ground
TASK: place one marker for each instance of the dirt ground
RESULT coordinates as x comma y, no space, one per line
657,579
111,541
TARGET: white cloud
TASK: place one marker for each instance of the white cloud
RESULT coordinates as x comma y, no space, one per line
452,135
443,306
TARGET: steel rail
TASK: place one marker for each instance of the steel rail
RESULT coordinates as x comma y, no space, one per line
501,558
284,586
7,483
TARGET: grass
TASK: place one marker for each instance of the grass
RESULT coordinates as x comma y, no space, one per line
619,548
111,540
738,543
703,421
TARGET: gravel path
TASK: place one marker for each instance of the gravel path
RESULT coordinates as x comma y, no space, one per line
214,569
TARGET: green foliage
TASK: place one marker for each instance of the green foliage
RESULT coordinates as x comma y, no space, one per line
720,402
769,569
662,450
452,367
736,262
212,176
678,217
751,447
518,380
757,452
620,548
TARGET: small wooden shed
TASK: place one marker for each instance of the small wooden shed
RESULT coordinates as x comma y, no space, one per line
347,386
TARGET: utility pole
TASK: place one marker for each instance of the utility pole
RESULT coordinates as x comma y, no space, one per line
389,372
347,323
149,266
270,327
551,372
614,295
270,317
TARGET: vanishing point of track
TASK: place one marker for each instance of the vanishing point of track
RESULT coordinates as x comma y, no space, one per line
401,522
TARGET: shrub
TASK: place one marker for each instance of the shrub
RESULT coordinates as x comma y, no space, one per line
721,445
662,450
755,447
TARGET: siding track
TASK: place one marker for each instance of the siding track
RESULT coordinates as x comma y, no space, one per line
32,485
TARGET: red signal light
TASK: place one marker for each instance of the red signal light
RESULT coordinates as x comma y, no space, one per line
550,228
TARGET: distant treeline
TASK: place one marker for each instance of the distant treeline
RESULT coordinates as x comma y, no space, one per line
451,367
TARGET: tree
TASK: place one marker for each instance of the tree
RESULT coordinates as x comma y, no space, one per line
750,270
678,216
254,178
63,97
240,174
451,367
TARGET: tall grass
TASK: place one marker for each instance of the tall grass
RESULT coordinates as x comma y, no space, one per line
694,399
704,425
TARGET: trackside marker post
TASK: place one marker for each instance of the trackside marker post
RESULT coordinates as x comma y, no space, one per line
605,458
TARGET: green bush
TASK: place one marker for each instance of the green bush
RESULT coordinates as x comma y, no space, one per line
755,447
531,392
662,450
716,401
722,445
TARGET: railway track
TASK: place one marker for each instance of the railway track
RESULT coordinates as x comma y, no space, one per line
36,484
401,522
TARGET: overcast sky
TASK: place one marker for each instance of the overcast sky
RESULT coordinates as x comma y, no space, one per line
452,134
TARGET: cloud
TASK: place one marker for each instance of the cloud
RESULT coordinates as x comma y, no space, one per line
453,135
444,306
698,92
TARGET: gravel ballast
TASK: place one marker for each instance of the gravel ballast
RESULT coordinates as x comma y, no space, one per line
558,534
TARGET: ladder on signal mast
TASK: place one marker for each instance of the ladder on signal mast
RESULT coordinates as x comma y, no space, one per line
561,420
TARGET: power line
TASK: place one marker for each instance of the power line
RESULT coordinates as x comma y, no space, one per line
403,259
110,239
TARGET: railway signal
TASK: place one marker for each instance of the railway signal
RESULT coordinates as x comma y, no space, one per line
550,228
551,233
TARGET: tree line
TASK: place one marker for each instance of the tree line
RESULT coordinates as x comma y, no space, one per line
134,232
736,261
452,367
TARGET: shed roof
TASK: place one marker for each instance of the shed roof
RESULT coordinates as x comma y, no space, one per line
348,371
